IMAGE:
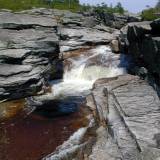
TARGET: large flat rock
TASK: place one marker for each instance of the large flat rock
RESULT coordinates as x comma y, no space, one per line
139,106
86,34
28,38
9,70
20,21
14,53
64,17
76,37
132,111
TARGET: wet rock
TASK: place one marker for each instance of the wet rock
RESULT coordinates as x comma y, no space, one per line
10,109
142,72
123,41
70,148
115,46
48,106
75,53
105,147
76,147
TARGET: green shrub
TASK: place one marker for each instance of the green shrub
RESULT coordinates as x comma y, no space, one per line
109,9
150,14
73,5
17,5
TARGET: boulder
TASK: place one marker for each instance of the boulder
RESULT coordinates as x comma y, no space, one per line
136,31
150,50
123,41
155,26
143,44
115,46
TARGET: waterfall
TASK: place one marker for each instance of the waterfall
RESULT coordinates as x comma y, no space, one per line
86,68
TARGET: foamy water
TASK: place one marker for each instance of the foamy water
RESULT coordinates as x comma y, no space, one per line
99,62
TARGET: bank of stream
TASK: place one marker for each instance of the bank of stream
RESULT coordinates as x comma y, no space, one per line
33,136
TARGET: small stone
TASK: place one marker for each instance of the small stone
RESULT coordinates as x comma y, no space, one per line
115,46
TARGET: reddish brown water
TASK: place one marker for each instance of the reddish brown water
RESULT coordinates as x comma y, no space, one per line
35,137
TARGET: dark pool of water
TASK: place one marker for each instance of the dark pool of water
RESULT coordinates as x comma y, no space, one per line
36,136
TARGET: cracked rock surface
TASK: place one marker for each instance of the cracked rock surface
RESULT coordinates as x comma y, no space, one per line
132,114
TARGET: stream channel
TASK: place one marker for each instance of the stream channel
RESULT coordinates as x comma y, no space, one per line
35,135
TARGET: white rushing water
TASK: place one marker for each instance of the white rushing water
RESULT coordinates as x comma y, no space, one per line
85,69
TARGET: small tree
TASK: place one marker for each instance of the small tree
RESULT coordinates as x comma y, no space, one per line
119,8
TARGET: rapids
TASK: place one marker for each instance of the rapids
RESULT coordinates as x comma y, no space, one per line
83,70
44,130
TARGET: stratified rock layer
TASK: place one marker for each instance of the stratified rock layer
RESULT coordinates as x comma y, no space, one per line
30,42
25,59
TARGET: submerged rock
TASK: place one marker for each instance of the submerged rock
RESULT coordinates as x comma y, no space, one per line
10,109
49,106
